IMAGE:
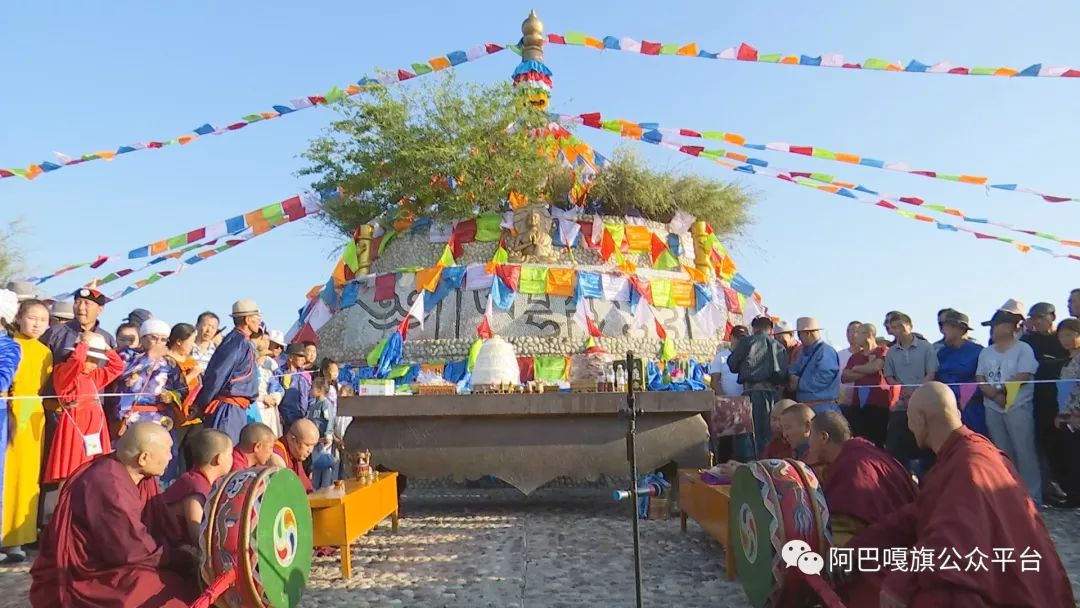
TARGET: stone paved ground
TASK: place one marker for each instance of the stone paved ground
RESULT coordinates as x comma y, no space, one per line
559,547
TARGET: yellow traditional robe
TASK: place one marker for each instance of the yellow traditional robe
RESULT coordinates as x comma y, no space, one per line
22,465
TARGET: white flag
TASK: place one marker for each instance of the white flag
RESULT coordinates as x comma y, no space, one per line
416,311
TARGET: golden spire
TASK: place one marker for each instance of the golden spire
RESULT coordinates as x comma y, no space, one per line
532,38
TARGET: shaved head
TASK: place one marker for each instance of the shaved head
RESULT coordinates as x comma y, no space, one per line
834,424
800,412
141,437
302,438
933,415
254,433
207,444
145,448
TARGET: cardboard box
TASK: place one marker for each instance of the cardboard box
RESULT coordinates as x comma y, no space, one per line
376,388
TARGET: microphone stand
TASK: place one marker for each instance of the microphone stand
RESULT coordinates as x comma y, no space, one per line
631,413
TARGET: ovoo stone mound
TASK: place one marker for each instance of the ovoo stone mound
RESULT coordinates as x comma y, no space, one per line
536,324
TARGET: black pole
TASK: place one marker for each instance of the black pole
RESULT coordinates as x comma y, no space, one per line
631,454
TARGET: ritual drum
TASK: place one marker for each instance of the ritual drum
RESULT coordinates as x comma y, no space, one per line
774,502
257,521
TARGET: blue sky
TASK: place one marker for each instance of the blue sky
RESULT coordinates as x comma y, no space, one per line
81,77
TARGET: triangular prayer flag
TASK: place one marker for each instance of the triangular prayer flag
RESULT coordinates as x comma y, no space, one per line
474,351
967,391
584,321
864,395
447,257
375,353
660,331
667,351
657,247
1012,390
350,256
607,246
416,311
483,330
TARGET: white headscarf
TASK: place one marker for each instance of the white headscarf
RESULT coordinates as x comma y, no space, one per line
9,305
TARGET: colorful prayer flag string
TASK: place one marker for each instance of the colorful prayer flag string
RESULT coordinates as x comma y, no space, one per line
335,93
258,220
745,52
653,132
827,183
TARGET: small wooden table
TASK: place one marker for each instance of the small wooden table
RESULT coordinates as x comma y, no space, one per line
340,516
707,505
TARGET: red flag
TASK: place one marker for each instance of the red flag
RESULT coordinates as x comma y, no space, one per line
657,247
483,330
584,321
660,331
607,246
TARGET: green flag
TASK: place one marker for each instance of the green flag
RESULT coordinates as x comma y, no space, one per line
474,351
373,356
667,351
350,256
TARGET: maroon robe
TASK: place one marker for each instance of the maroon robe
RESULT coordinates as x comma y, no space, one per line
971,499
239,460
867,483
170,526
97,553
777,448
294,465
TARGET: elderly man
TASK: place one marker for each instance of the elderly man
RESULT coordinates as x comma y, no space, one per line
762,366
231,380
815,375
911,360
295,447
86,310
206,331
97,551
973,514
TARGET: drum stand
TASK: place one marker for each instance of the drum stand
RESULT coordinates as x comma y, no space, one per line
631,413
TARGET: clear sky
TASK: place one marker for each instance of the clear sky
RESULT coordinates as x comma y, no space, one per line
80,77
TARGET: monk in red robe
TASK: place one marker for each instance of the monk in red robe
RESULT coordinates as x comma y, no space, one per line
96,551
973,512
255,448
795,427
778,447
180,508
295,447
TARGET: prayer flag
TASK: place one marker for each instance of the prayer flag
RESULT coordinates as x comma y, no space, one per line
660,331
502,295
667,350
966,392
477,277
584,320
533,280
484,330
616,288
560,282
864,395
416,311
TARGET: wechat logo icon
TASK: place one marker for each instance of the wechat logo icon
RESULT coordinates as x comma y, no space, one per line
797,553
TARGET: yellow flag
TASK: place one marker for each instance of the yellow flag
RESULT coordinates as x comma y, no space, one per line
1012,389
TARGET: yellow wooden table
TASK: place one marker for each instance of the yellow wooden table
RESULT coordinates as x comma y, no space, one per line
707,505
340,516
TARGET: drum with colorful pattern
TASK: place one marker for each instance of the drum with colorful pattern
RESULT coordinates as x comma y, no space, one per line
257,522
773,502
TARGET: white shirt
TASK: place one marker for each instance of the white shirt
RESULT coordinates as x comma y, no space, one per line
729,381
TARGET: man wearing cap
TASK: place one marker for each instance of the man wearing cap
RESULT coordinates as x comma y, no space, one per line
815,375
297,383
1052,357
785,335
86,310
958,358
231,381
762,365
1005,367
60,312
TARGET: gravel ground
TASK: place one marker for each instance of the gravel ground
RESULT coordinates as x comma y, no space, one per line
558,547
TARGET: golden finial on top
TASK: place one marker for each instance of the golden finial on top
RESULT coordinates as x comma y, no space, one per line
532,38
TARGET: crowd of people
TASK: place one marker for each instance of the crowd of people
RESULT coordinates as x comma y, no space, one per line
71,391
1006,390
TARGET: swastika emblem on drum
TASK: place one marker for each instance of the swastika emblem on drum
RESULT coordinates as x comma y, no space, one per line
748,532
285,537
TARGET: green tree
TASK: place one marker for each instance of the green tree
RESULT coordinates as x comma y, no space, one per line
11,257
445,151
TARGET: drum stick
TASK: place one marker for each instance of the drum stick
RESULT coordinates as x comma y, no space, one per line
220,585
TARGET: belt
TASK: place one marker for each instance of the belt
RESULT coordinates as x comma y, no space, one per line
240,402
